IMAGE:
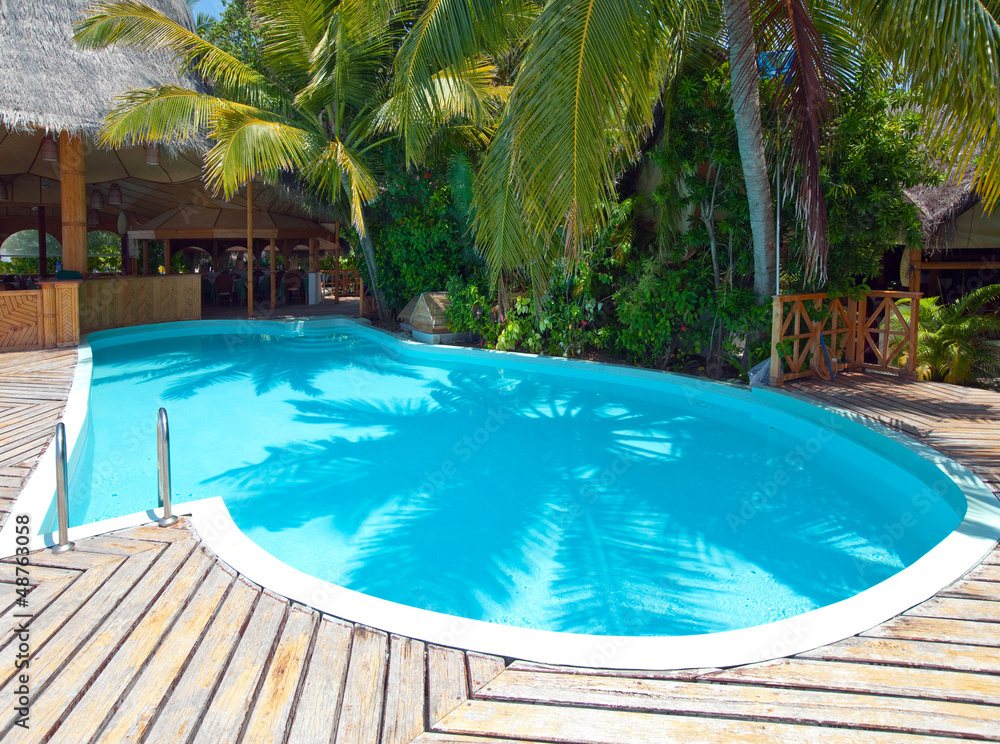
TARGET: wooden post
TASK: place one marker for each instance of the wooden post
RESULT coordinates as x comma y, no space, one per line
313,256
274,279
145,257
911,353
250,276
776,311
336,263
916,259
43,259
73,198
166,255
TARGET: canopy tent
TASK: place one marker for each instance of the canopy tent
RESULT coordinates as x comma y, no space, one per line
224,222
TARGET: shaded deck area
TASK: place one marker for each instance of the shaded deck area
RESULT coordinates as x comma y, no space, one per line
348,306
143,635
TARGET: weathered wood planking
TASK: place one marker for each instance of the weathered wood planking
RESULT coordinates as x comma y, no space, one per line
745,701
179,717
232,700
34,386
111,683
273,708
319,701
146,696
405,693
604,726
361,706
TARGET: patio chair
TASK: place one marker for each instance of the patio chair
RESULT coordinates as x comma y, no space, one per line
293,285
224,288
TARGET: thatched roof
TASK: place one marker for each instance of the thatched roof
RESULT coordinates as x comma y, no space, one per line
46,82
941,205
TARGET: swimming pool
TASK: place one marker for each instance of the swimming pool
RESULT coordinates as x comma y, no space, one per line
536,494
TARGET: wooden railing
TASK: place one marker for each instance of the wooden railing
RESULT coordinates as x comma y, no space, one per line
813,335
342,283
43,318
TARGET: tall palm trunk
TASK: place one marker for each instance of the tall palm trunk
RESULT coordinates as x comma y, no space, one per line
368,249
746,105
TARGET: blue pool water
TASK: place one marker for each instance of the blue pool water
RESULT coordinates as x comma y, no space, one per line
560,498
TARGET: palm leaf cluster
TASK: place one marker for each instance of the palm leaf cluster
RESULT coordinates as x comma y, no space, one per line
959,343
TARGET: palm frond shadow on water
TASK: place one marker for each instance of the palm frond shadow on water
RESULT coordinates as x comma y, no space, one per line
523,526
268,361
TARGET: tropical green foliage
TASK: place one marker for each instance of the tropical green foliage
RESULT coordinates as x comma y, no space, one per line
959,343
420,234
333,79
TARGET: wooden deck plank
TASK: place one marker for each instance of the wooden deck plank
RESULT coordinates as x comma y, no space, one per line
137,710
177,718
319,702
935,629
948,656
601,726
361,709
228,708
929,684
271,712
958,609
404,692
482,669
447,682
931,717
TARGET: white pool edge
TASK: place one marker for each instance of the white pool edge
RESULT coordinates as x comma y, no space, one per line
961,551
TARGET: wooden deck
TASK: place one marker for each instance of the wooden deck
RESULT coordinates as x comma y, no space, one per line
33,390
143,635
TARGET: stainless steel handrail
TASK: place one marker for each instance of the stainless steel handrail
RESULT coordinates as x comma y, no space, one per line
62,487
163,458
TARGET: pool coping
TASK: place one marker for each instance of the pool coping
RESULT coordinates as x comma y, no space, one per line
949,560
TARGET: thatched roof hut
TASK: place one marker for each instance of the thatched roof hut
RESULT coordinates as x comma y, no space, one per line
941,206
48,83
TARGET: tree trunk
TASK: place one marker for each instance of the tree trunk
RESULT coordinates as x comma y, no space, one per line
746,105
368,249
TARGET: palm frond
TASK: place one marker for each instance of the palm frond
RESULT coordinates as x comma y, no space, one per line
448,37
338,162
253,143
292,29
948,48
166,114
134,24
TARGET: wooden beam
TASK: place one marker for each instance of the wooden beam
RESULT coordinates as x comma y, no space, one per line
947,265
336,262
250,276
43,259
73,196
274,278
916,260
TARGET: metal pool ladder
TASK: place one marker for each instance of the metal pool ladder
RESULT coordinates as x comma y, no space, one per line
163,458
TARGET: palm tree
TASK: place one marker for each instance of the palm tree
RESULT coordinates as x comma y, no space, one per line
956,342
593,70
325,104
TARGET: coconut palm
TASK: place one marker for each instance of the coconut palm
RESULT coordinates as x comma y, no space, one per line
325,103
956,342
593,70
